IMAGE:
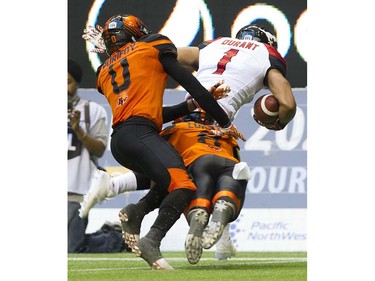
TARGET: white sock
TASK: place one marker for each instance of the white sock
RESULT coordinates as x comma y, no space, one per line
122,183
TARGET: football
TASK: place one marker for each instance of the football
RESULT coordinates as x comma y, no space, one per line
266,109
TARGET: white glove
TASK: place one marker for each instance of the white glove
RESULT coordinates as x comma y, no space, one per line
94,36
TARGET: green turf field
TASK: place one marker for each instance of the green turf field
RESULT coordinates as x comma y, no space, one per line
286,266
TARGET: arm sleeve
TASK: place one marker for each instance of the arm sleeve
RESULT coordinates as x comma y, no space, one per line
171,113
276,61
97,75
197,91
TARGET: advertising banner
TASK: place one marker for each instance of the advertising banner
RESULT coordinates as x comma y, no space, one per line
256,230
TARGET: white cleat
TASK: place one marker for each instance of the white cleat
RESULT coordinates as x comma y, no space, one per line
99,190
225,248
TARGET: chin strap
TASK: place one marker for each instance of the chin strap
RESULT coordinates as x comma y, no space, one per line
94,36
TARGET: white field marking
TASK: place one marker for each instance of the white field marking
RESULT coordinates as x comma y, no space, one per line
183,259
254,261
109,269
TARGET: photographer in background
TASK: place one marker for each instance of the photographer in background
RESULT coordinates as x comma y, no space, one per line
87,141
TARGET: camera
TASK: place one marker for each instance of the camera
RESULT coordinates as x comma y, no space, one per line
70,106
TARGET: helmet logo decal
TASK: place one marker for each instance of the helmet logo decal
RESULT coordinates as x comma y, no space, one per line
248,37
112,25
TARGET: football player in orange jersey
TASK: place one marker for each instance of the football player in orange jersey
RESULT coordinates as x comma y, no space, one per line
133,80
213,162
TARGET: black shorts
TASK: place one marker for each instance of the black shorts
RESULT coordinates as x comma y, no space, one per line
212,174
137,145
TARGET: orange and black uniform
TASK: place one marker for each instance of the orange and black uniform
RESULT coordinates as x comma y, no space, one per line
210,160
133,80
193,140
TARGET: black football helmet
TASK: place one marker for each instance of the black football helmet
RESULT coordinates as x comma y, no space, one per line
198,117
122,29
257,33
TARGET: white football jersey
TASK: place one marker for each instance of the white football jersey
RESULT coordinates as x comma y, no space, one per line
242,64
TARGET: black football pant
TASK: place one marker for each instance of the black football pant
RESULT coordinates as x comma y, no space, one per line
137,145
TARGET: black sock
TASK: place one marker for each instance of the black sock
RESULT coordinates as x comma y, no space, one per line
152,200
169,212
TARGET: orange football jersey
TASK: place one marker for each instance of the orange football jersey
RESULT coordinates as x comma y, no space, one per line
133,80
193,140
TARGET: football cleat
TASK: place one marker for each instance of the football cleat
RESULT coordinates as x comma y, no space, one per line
224,246
221,216
99,190
131,221
198,219
149,250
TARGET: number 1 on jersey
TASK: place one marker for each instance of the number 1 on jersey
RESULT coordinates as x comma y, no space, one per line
222,64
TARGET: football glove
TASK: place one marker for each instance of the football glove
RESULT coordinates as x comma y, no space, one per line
217,92
231,131
276,126
214,130
94,36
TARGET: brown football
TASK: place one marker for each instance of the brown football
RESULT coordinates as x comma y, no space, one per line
266,109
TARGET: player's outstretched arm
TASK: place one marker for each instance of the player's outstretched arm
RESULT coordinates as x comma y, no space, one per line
280,88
